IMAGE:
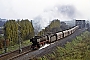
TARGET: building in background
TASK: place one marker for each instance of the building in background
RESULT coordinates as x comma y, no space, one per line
2,22
80,23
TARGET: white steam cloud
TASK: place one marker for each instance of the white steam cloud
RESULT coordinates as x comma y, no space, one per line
61,12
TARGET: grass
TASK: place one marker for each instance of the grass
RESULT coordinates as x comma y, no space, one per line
16,46
78,49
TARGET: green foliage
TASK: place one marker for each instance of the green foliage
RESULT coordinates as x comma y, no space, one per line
1,41
16,46
78,49
54,26
11,30
27,30
54,23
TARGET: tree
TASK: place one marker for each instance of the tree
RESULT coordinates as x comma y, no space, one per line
27,29
53,27
63,26
11,30
1,41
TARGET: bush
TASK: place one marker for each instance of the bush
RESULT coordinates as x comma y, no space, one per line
78,49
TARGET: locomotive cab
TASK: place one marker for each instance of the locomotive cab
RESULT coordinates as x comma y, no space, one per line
35,45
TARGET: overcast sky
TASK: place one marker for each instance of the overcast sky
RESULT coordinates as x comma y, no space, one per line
18,9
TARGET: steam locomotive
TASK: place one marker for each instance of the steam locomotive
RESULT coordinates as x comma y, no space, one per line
39,41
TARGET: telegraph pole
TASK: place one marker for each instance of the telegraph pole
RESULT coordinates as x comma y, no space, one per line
19,38
5,47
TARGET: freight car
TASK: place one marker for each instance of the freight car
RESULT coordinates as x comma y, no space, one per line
39,41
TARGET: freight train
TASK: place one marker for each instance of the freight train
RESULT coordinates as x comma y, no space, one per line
39,41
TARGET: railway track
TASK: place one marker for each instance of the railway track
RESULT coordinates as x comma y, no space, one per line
14,54
19,55
48,49
25,52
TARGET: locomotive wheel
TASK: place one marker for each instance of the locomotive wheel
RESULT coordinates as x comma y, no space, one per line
38,45
32,47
